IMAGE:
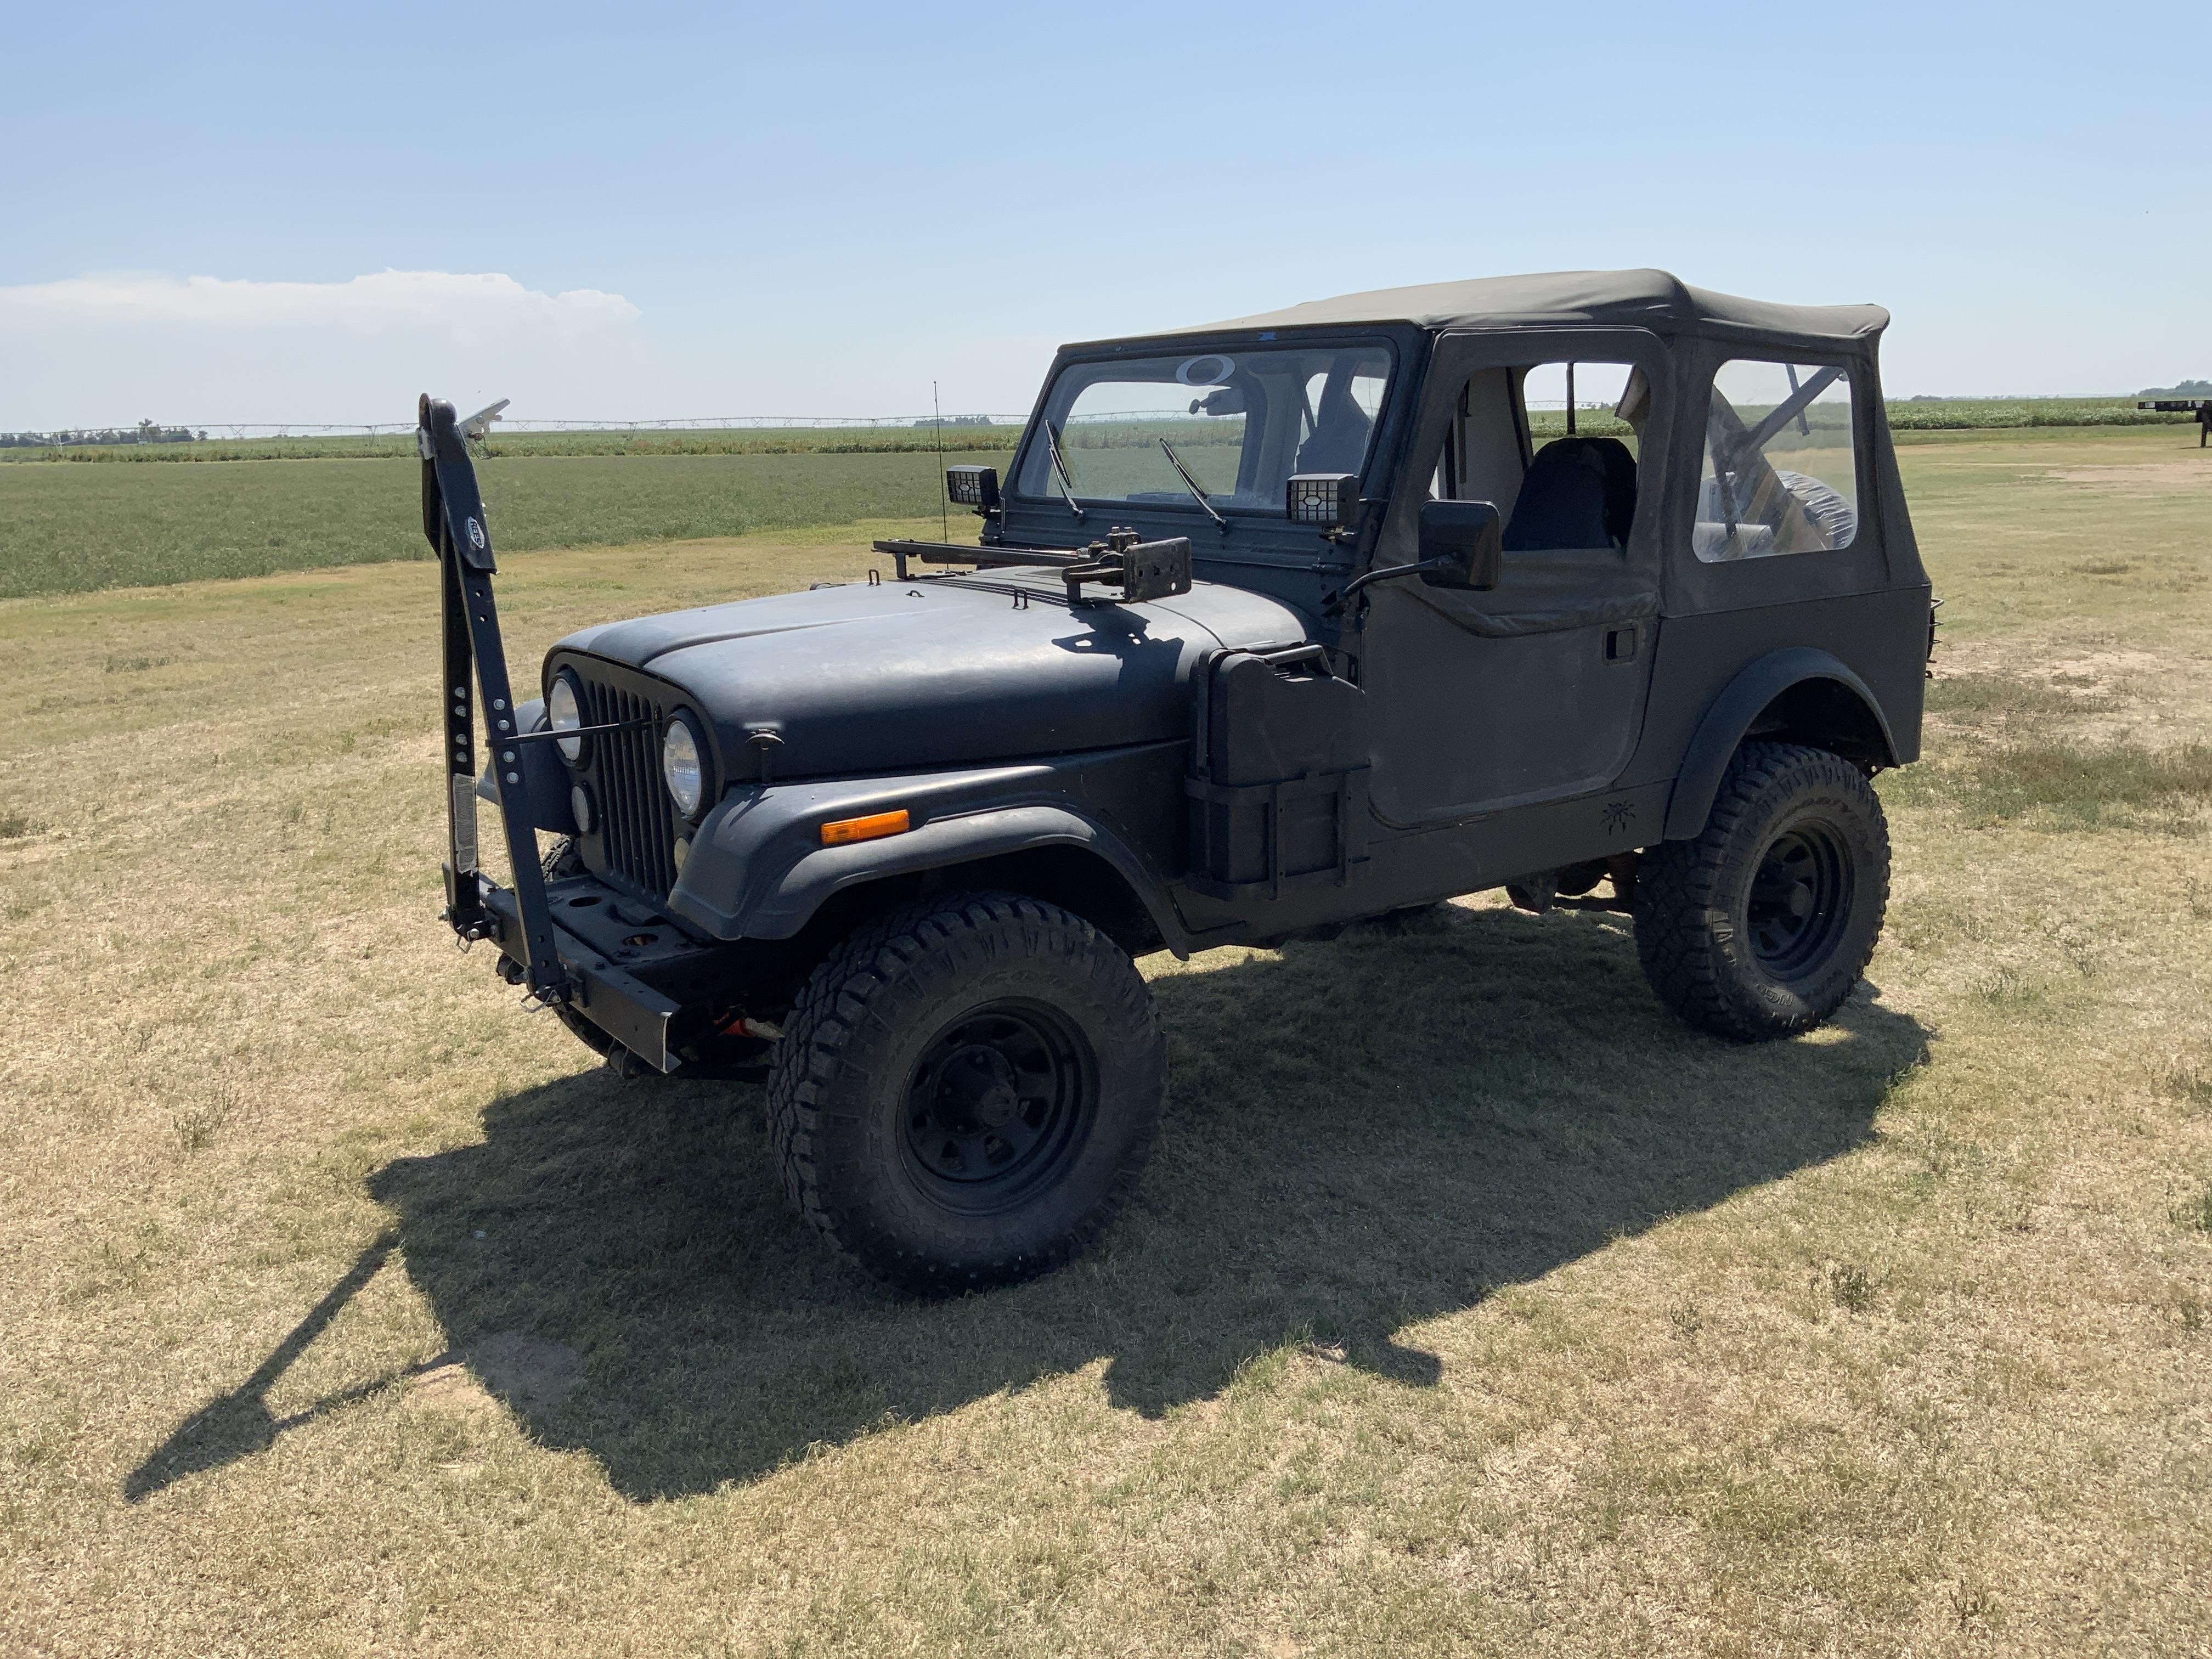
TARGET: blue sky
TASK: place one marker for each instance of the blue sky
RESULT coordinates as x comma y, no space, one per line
641,211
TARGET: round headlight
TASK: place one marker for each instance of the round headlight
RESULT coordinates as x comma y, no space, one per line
684,767
565,710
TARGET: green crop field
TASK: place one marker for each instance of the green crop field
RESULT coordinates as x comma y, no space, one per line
1469,1306
1915,414
86,518
1990,413
701,440
70,529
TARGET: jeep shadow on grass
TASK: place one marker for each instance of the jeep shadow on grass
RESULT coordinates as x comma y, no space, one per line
1325,1174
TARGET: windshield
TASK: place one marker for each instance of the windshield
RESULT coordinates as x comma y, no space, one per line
1241,422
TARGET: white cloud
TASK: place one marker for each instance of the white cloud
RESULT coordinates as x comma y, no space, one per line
107,349
447,299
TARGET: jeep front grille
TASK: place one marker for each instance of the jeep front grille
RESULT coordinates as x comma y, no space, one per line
638,821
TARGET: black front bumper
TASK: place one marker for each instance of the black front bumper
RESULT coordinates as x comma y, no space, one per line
643,1020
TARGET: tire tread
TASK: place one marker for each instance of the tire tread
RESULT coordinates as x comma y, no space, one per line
849,992
1679,883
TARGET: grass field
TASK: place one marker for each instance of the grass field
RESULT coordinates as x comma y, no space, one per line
72,529
1469,1306
683,440
1922,414
305,503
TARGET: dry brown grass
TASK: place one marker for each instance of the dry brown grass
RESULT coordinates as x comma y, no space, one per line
1470,1306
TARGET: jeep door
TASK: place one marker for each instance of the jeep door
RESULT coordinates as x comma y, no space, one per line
1533,691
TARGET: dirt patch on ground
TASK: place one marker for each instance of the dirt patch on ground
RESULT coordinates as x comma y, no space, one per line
528,1372
2146,477
2082,673
2093,696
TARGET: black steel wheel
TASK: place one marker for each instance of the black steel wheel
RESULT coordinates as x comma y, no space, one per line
1761,926
967,1090
998,1105
1801,899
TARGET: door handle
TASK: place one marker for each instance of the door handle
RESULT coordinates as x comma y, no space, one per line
1621,644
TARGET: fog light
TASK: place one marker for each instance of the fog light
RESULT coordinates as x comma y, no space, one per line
583,809
1327,501
973,486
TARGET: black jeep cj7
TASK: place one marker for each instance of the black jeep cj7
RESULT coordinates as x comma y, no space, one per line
1276,623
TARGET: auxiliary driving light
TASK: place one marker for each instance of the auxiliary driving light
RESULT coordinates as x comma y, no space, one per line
1326,500
684,765
564,710
973,486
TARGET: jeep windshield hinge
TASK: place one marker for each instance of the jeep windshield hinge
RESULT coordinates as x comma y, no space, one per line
453,524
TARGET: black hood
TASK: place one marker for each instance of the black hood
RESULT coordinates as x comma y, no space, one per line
938,672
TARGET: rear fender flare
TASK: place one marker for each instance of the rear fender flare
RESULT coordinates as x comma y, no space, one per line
1732,715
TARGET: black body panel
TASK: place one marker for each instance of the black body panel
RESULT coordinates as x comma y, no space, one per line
1259,755
935,671
1883,637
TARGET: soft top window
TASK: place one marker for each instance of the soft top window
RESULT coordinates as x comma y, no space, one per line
1240,422
1781,473
1554,445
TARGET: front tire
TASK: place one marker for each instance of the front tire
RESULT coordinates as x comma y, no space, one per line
1760,926
967,1090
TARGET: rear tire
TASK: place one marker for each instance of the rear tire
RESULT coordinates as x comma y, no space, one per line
967,1090
1761,926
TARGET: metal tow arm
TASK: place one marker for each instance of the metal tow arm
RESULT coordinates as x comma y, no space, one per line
453,522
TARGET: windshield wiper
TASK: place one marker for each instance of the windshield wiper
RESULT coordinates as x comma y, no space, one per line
1059,470
1191,484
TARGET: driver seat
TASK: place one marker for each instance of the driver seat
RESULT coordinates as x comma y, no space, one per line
1579,493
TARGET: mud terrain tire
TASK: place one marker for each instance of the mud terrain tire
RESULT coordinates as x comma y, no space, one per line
1762,925
967,1090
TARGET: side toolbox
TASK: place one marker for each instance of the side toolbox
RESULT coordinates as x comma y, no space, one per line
1279,775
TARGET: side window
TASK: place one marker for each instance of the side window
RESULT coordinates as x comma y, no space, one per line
1555,446
1781,475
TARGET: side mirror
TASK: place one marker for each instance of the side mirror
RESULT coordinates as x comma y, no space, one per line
973,486
1463,544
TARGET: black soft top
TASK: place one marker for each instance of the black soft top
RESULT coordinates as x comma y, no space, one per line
1654,299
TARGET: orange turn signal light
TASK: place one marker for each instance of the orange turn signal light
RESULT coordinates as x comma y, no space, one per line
874,827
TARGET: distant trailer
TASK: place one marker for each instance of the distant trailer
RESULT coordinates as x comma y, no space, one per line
2174,405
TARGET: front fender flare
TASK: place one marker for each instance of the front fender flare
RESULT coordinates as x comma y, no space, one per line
757,869
1740,702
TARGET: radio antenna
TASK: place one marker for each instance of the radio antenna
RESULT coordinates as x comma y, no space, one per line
944,511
